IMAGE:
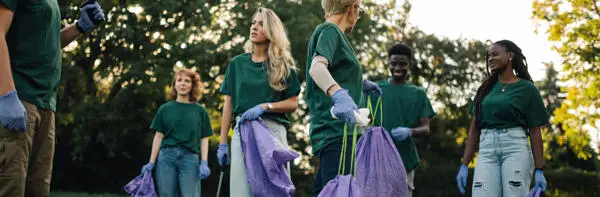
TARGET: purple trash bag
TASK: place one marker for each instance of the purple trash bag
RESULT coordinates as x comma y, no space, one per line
341,186
141,186
265,160
344,185
380,171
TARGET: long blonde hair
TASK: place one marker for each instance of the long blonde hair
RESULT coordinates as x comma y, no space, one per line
279,59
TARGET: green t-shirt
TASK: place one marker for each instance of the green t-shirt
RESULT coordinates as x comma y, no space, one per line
403,106
519,105
247,82
330,42
34,49
183,124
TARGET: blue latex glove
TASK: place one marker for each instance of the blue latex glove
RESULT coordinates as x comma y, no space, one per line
401,133
13,115
540,180
90,15
204,170
343,106
461,178
223,154
148,167
371,88
253,113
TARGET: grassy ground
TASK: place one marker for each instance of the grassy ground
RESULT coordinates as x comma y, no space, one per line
72,194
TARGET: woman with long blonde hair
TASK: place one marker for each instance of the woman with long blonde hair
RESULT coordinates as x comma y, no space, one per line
259,83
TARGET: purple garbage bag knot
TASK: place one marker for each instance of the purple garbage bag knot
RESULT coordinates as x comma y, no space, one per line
141,186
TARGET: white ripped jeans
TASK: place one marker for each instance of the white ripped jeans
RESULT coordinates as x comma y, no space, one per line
504,164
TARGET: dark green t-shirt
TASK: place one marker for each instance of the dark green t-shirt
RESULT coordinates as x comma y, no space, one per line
403,106
247,82
519,105
34,50
183,124
330,42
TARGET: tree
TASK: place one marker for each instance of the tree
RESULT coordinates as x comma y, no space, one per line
115,79
557,151
574,24
549,88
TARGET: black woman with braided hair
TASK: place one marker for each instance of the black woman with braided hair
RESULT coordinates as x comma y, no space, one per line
507,110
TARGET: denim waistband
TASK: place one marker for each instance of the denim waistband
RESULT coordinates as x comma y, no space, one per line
504,130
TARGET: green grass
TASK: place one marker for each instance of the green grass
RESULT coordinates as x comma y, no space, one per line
73,194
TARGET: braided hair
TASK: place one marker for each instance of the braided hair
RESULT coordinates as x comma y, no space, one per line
519,65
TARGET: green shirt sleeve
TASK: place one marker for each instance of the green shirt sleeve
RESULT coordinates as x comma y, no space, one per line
10,4
226,87
293,85
327,44
206,126
157,122
536,114
427,109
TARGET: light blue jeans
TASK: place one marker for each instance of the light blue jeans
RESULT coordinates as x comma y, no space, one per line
238,181
177,171
504,164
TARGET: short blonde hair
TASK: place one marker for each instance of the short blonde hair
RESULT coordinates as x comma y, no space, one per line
195,92
333,7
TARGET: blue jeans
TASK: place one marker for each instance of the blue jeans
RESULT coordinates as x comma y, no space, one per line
504,164
177,173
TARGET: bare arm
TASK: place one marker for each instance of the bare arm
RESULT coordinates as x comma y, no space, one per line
204,148
472,141
333,89
537,146
6,80
285,106
158,137
225,120
68,34
423,128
